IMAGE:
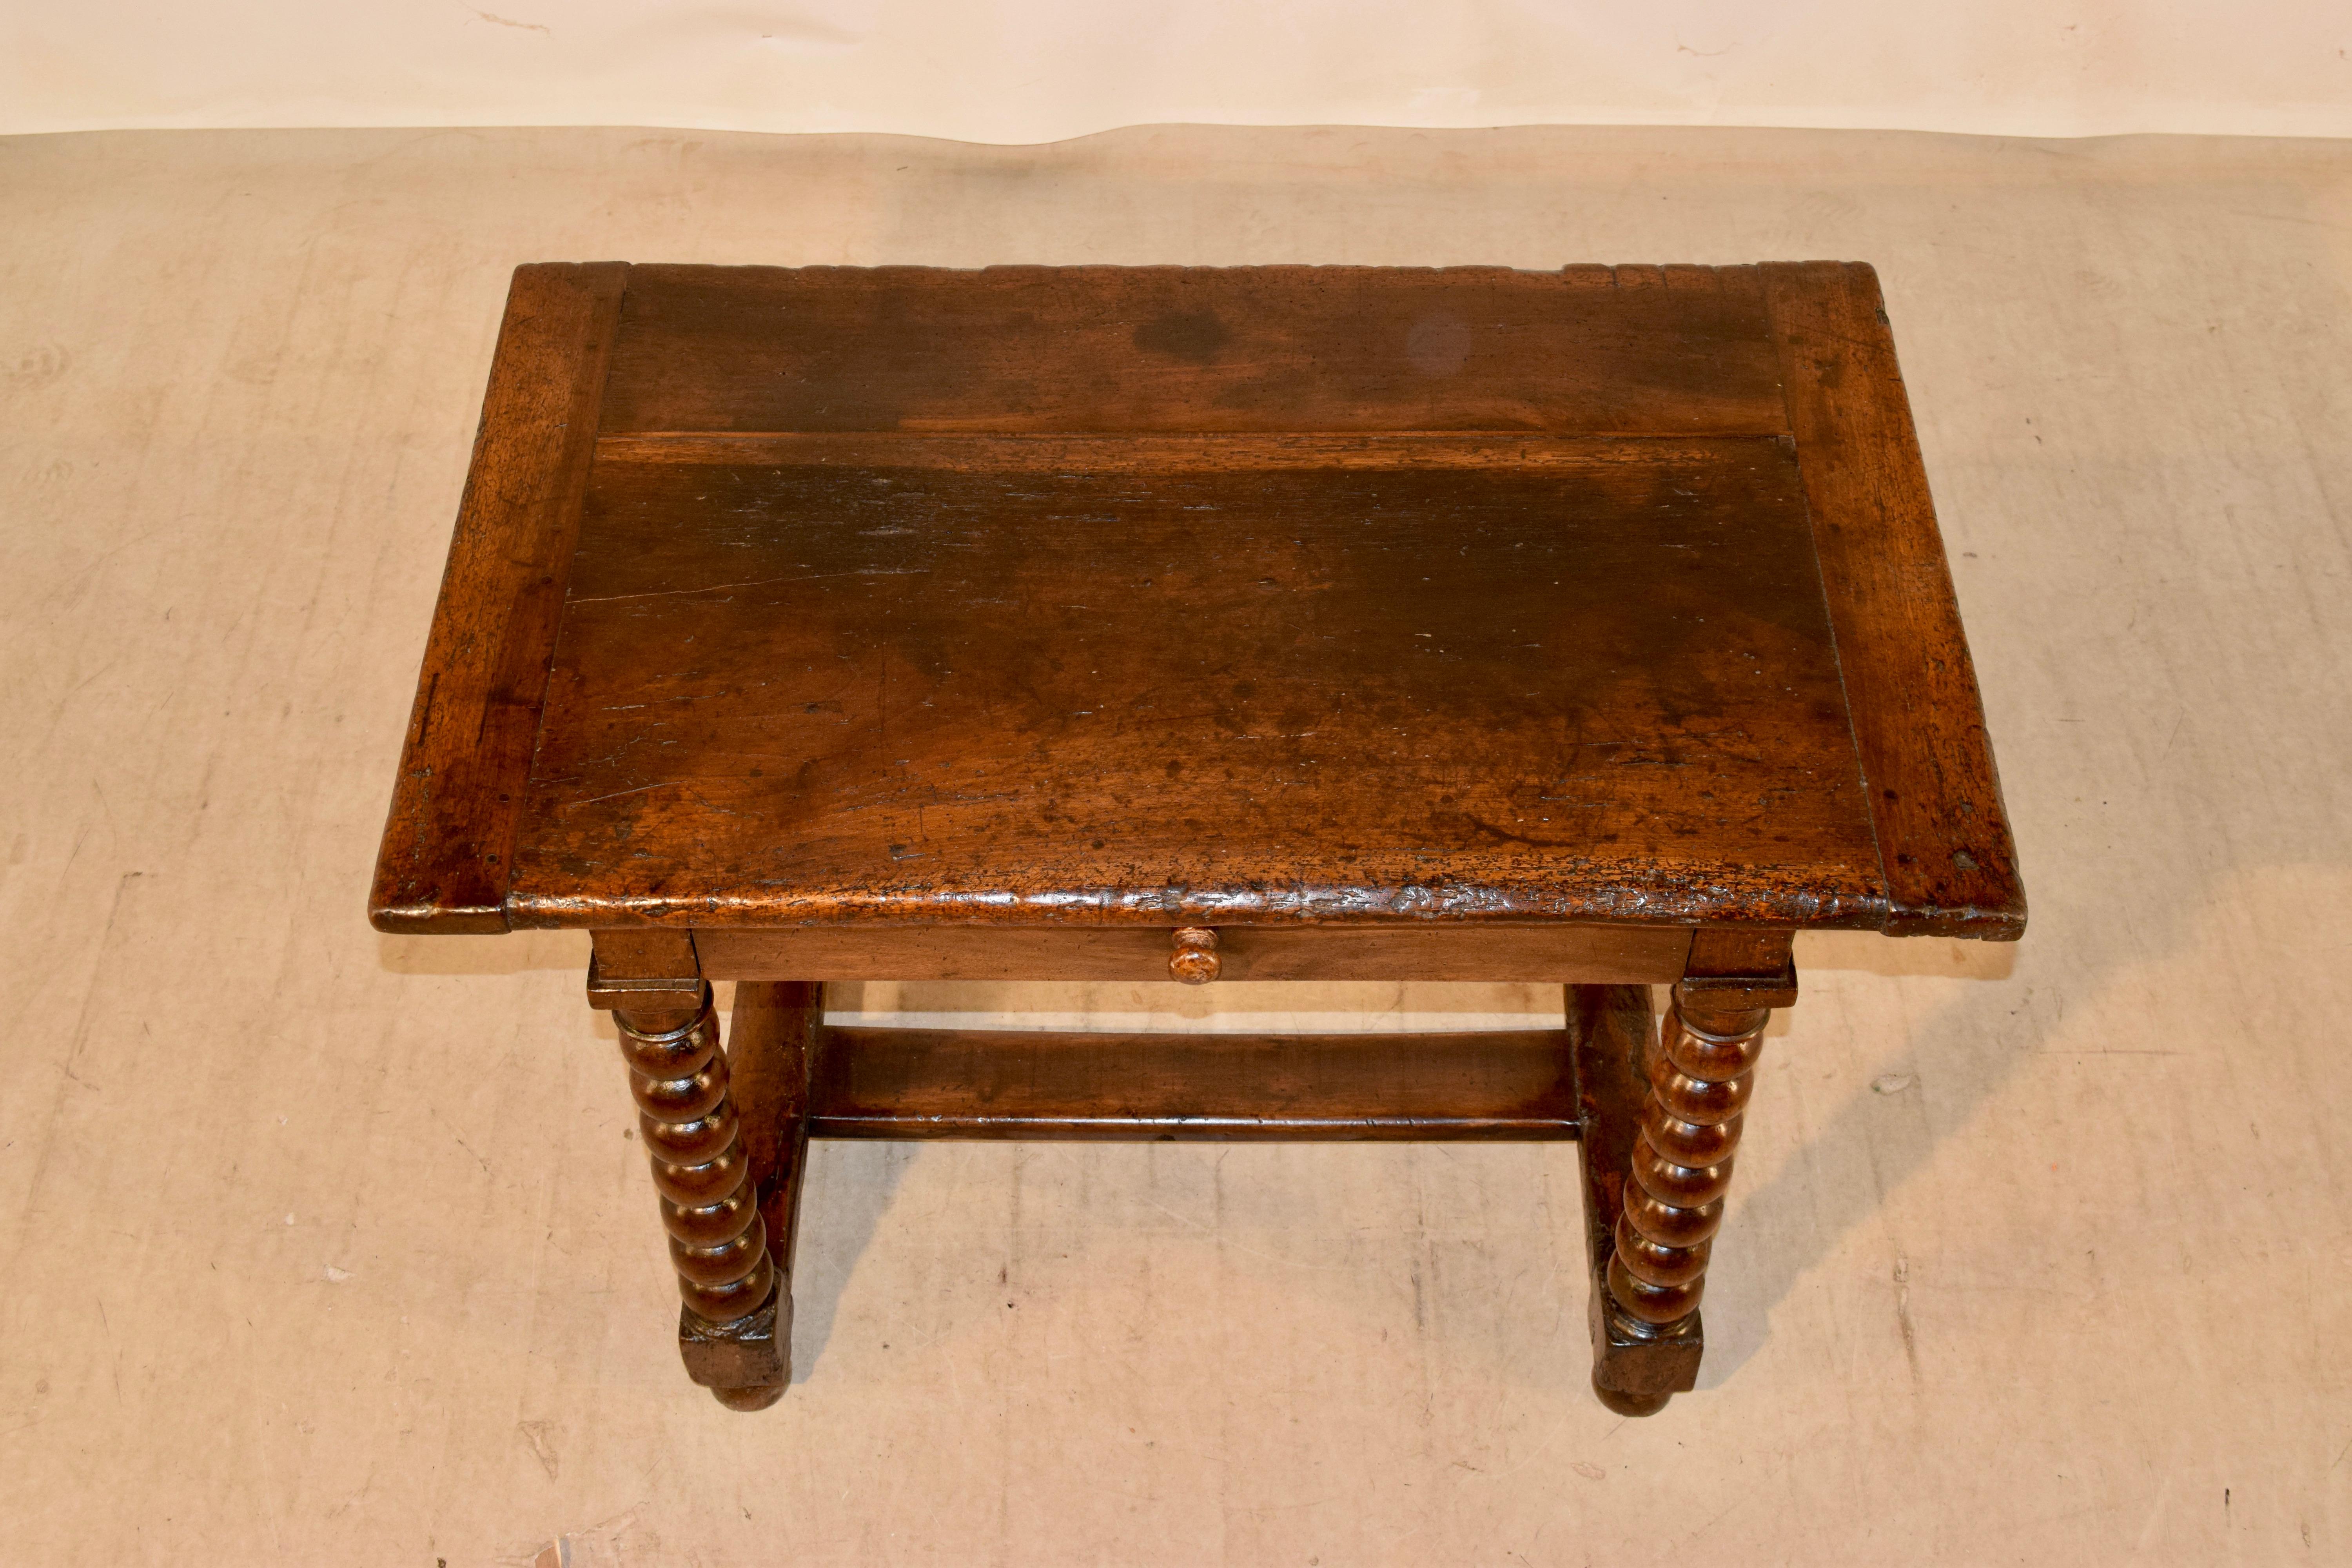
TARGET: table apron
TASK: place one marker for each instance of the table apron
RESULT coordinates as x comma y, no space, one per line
1557,953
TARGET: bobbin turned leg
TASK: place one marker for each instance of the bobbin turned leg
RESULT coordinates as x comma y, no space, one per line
1634,1370
1662,1121
714,1168
1700,1075
717,1242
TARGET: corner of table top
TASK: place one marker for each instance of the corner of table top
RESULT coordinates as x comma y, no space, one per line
448,843
1943,841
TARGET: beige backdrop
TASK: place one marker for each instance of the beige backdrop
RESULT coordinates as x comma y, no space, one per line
1032,70
317,1246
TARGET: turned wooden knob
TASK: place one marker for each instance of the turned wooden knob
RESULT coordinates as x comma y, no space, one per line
1195,960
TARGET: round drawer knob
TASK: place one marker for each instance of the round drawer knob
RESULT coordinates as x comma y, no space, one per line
1195,960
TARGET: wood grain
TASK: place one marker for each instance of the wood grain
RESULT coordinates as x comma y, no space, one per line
1942,828
772,1044
644,969
1165,452
1188,683
448,845
1169,348
1003,1084
1554,953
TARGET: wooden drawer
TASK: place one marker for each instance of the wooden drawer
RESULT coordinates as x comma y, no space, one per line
1578,955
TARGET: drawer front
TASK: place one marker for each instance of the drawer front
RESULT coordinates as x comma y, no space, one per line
1572,954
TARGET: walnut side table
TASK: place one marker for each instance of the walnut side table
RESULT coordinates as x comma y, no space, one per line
1586,626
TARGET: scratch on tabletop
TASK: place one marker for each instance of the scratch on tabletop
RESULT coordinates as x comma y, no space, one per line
722,587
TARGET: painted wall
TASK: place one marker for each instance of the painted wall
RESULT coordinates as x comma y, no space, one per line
1044,69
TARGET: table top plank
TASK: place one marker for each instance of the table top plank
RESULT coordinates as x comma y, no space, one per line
1160,680
1943,830
1193,348
448,844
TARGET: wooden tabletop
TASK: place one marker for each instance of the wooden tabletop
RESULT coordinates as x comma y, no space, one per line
1172,595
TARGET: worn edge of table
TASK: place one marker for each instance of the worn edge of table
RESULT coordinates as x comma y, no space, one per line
1946,856
448,844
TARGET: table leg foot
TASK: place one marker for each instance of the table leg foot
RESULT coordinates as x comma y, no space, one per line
746,1364
1625,1403
1637,1367
747,1399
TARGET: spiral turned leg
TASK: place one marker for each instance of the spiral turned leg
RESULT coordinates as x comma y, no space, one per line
1699,1077
710,1204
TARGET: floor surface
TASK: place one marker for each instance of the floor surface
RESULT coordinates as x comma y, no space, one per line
318,1246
